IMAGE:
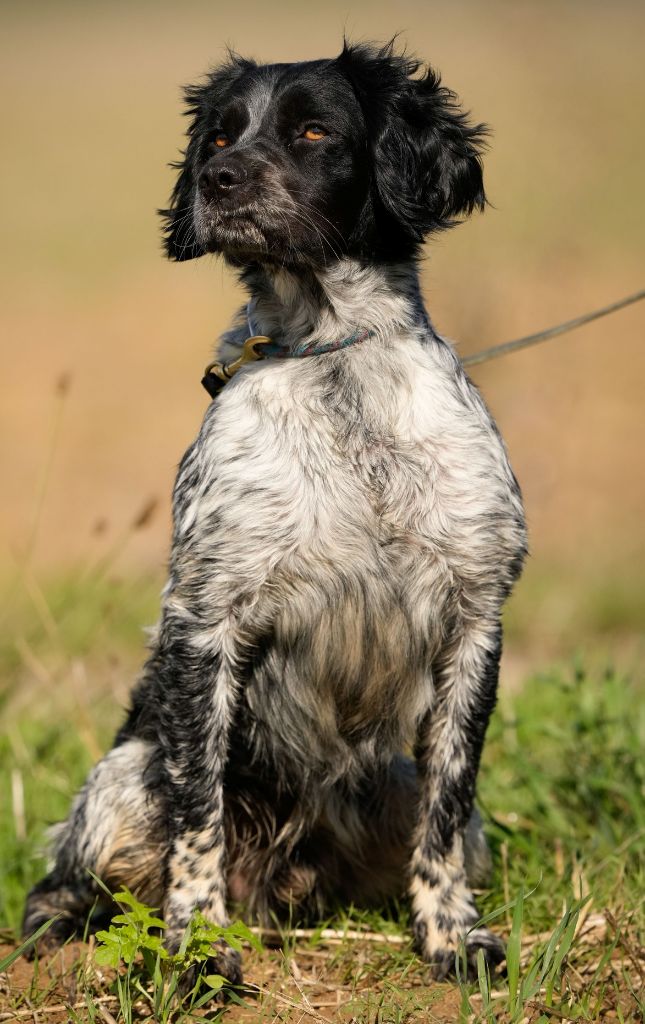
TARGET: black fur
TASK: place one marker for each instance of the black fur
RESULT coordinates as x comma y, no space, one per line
401,159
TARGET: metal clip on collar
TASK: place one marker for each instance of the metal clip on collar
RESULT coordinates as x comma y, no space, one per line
217,374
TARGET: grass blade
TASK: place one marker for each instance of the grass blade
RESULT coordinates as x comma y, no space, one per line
24,946
513,954
564,947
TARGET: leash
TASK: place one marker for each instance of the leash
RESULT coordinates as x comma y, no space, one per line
217,373
551,332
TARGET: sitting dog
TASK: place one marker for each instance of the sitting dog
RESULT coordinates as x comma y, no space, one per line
346,530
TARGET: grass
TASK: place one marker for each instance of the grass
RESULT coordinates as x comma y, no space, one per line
561,790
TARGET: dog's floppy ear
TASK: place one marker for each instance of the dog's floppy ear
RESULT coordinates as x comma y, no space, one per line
179,240
201,103
427,156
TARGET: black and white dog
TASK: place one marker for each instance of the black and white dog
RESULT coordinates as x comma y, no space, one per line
346,530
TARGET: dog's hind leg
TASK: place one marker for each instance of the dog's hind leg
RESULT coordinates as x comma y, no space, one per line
115,830
371,835
390,829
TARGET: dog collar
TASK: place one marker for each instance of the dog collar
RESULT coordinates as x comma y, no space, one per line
259,346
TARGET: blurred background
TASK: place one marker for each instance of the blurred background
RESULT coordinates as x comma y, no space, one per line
104,341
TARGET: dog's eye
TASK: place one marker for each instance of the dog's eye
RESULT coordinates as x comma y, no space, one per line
314,133
221,140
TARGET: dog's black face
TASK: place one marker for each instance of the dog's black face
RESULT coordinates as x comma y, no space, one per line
299,164
280,168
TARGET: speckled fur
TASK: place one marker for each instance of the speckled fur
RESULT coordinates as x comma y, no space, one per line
346,530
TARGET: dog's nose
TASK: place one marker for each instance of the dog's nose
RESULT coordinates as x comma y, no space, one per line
221,178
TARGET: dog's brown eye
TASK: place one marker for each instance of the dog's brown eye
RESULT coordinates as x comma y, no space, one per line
221,140
314,133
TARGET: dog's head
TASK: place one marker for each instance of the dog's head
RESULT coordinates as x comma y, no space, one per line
303,163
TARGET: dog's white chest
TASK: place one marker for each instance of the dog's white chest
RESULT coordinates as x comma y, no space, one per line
310,458
341,509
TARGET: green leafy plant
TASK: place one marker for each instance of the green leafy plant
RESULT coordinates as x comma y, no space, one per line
152,973
130,934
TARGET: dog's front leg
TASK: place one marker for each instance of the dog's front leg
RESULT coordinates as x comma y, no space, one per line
198,696
448,752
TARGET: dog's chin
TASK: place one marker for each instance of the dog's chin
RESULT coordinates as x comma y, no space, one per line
248,237
237,236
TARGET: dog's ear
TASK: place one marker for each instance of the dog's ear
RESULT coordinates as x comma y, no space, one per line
201,103
428,159
179,240
427,156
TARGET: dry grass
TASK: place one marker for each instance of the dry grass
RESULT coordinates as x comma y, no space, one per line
348,979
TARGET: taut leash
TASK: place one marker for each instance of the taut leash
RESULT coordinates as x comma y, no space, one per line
551,332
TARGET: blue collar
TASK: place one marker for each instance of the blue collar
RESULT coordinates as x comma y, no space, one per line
259,346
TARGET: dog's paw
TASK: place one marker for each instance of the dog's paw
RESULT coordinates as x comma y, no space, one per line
227,963
48,944
461,958
224,963
59,932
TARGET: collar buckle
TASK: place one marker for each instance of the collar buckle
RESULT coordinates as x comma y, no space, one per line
217,373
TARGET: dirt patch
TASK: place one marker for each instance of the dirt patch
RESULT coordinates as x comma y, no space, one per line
53,984
350,985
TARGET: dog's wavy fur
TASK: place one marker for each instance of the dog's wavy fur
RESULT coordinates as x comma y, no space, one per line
346,530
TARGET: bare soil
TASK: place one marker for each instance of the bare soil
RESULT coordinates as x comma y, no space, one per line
311,984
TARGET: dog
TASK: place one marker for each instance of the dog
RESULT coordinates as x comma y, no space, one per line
347,528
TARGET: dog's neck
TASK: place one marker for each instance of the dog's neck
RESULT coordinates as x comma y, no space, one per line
345,297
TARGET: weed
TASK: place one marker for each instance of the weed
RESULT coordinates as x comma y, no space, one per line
152,974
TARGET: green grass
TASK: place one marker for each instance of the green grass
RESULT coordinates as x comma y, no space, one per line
561,790
562,785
